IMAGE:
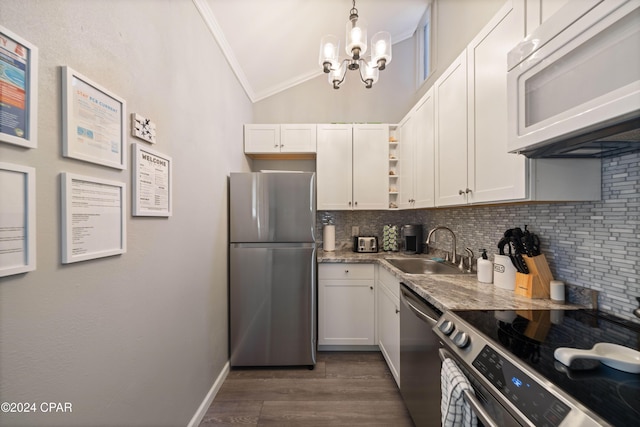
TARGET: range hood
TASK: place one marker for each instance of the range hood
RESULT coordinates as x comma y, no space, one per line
610,141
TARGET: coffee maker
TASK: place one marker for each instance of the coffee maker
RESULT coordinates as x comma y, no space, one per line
411,235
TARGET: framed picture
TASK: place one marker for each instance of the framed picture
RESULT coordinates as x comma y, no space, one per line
93,218
152,182
17,219
18,90
93,122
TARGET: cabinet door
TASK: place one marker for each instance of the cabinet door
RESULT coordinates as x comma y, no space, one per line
298,138
346,312
424,149
538,11
451,134
370,167
494,173
333,167
406,147
389,329
260,139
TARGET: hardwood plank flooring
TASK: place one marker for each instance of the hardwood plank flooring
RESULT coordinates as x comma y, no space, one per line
344,389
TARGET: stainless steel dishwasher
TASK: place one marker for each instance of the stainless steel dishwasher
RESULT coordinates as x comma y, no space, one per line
419,359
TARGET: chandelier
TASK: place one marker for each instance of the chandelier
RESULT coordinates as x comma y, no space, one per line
356,47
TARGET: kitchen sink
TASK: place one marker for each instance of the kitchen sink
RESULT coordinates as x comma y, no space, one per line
424,266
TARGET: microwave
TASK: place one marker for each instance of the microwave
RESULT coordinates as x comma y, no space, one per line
573,84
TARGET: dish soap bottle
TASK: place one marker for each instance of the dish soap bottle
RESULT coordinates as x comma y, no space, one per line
485,268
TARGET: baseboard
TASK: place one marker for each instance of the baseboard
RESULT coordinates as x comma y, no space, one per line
348,348
204,406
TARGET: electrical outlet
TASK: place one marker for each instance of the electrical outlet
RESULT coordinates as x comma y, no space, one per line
355,230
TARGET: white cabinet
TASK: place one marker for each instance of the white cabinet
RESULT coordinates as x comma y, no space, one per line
346,304
494,174
451,134
388,320
472,163
352,167
538,11
279,138
416,167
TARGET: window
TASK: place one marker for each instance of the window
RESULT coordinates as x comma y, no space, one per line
424,45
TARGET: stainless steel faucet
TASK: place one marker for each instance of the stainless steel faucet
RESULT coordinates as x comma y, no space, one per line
453,242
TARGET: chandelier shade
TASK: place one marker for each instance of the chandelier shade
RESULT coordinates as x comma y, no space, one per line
356,48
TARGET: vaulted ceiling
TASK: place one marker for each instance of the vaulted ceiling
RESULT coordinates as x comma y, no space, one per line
273,45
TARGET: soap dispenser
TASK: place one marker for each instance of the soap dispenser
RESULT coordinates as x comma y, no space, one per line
485,268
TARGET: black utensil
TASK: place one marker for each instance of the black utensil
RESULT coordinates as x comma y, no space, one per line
517,259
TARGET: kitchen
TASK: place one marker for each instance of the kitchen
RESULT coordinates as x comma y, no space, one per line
156,317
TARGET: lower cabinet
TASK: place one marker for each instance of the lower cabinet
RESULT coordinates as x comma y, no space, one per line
356,310
346,304
388,320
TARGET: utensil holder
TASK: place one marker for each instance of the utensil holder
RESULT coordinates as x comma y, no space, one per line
536,284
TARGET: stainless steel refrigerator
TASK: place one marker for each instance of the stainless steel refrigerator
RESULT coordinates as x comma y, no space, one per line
272,269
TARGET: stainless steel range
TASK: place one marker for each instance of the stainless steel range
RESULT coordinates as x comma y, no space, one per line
508,358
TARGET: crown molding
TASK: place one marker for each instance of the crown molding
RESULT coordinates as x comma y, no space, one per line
212,24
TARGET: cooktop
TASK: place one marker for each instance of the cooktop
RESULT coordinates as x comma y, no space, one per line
531,336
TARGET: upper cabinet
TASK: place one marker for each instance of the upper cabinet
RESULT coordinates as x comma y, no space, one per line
270,139
472,162
352,166
451,134
538,11
494,174
417,155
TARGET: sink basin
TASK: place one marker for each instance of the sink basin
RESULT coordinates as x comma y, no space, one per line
424,266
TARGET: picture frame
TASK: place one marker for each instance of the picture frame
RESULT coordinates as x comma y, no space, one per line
19,94
93,217
93,122
17,219
152,182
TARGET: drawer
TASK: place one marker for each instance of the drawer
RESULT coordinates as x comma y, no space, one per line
346,271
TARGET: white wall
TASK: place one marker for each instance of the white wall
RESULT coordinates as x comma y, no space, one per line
136,339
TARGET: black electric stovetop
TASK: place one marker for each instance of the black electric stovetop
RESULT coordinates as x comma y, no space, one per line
531,336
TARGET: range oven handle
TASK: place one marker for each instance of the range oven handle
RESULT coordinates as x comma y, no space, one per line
470,398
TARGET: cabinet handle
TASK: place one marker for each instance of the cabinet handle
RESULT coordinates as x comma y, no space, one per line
461,192
397,311
346,271
371,287
349,203
281,145
468,190
276,145
356,203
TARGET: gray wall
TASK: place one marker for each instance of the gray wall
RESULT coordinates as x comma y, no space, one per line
590,244
136,339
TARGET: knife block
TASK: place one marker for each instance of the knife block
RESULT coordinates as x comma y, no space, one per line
537,283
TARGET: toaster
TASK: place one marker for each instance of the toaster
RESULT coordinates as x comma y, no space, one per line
365,244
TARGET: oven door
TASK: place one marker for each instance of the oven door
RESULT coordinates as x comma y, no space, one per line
489,411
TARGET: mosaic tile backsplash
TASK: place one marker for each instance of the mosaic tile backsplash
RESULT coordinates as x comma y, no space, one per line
588,244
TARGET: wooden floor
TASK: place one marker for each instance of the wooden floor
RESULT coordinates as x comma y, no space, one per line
344,389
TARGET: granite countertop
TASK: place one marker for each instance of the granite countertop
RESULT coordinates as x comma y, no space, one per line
448,291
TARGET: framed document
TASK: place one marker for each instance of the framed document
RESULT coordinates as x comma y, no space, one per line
18,90
152,182
93,218
17,219
93,122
